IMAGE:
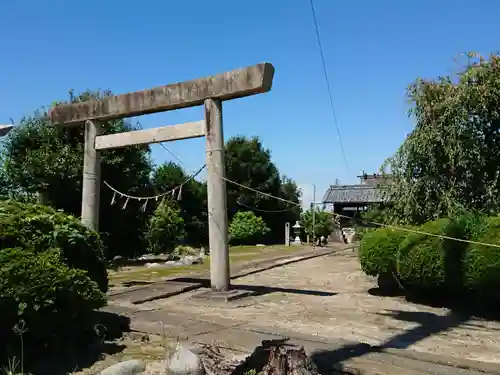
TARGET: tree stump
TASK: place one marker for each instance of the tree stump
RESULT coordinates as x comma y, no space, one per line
270,358
289,360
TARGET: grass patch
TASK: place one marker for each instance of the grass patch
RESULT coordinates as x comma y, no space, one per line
237,254
152,274
255,249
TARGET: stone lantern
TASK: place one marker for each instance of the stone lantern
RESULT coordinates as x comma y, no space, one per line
296,232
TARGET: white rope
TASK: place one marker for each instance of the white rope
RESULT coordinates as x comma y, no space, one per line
393,227
177,189
336,216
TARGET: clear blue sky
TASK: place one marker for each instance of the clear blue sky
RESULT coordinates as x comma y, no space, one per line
373,50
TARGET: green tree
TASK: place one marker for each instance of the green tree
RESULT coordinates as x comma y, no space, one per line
192,200
40,158
449,163
166,228
249,163
247,229
4,184
291,192
323,223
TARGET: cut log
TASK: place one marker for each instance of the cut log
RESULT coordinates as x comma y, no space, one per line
289,360
215,362
273,357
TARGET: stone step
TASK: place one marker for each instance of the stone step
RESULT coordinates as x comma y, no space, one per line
364,359
360,366
456,362
156,291
389,364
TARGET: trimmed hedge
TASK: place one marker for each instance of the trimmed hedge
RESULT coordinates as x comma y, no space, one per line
38,228
432,263
50,301
482,263
420,258
378,251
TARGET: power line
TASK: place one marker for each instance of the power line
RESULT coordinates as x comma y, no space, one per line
166,149
173,155
328,83
238,202
258,191
261,210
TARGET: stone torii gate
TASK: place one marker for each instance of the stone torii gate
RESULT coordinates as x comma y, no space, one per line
208,91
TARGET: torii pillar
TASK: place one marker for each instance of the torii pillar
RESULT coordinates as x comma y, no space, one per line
208,91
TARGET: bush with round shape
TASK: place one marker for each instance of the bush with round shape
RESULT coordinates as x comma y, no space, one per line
50,301
431,263
247,229
378,250
39,227
166,228
482,263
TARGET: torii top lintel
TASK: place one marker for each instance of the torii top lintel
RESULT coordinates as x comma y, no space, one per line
237,83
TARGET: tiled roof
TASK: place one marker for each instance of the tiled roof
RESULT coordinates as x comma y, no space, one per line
353,194
4,129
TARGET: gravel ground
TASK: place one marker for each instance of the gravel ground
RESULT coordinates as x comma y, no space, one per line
328,297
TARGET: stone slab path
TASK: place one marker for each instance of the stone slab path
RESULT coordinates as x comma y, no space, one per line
179,284
154,291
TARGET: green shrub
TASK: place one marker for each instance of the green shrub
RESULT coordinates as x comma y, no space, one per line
482,263
53,301
427,262
323,223
361,232
247,229
165,229
378,250
38,228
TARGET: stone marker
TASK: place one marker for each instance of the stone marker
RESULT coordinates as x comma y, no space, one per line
185,362
132,367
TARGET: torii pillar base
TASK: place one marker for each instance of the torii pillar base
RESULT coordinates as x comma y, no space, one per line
215,297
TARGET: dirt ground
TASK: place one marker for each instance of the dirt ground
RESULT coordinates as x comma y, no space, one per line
156,348
328,297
